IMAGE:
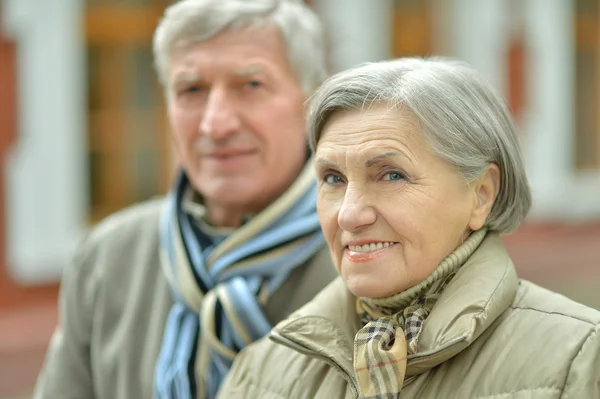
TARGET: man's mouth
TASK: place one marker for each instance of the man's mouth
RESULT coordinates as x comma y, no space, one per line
229,153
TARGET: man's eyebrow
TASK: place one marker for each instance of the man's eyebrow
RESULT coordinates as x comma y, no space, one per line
249,70
186,77
372,161
191,77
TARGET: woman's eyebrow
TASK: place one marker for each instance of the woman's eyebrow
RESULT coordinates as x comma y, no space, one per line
372,161
322,162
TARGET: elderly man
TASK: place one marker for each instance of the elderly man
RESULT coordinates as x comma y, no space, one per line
161,297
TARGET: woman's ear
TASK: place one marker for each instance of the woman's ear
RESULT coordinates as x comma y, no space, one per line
486,190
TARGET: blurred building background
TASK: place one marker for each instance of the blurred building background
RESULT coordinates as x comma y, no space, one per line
83,131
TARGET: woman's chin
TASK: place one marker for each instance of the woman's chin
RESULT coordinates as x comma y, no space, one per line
363,287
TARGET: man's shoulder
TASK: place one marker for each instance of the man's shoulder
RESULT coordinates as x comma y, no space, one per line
320,267
301,286
122,238
115,297
141,218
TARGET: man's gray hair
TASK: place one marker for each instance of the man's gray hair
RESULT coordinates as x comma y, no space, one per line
192,21
465,121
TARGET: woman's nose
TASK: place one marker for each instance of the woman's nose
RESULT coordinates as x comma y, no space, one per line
356,211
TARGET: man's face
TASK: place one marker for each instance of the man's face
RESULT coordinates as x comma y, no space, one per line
236,112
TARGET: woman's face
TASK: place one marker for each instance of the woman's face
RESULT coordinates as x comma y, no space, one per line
390,208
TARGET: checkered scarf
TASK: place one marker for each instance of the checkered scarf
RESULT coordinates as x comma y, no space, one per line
392,326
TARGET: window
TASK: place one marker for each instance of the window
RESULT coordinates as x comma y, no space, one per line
128,144
587,84
412,28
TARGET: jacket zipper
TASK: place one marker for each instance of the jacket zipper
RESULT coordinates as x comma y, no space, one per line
433,353
275,336
427,355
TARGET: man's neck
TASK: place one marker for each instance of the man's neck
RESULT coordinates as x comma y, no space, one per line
234,215
224,216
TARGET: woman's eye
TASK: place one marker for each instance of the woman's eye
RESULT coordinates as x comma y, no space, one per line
393,176
332,179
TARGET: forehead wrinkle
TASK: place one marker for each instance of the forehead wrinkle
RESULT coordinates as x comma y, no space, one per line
373,146
382,128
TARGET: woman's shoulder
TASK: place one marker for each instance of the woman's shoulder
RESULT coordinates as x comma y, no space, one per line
541,319
542,345
538,304
267,369
546,341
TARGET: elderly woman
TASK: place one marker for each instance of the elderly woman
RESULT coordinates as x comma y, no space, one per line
419,171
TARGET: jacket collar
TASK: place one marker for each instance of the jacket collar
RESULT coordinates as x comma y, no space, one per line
482,289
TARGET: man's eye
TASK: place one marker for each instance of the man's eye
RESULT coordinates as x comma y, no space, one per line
191,89
393,176
332,179
253,84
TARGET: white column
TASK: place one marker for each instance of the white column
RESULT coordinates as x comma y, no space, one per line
359,30
479,35
46,169
548,120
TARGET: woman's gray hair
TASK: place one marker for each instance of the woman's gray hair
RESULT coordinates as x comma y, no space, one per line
192,21
466,122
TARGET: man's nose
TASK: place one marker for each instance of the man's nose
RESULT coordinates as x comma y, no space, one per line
356,211
220,116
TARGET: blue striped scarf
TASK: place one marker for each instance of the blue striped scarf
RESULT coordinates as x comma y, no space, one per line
220,288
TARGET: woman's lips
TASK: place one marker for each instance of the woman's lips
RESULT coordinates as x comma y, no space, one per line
366,252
